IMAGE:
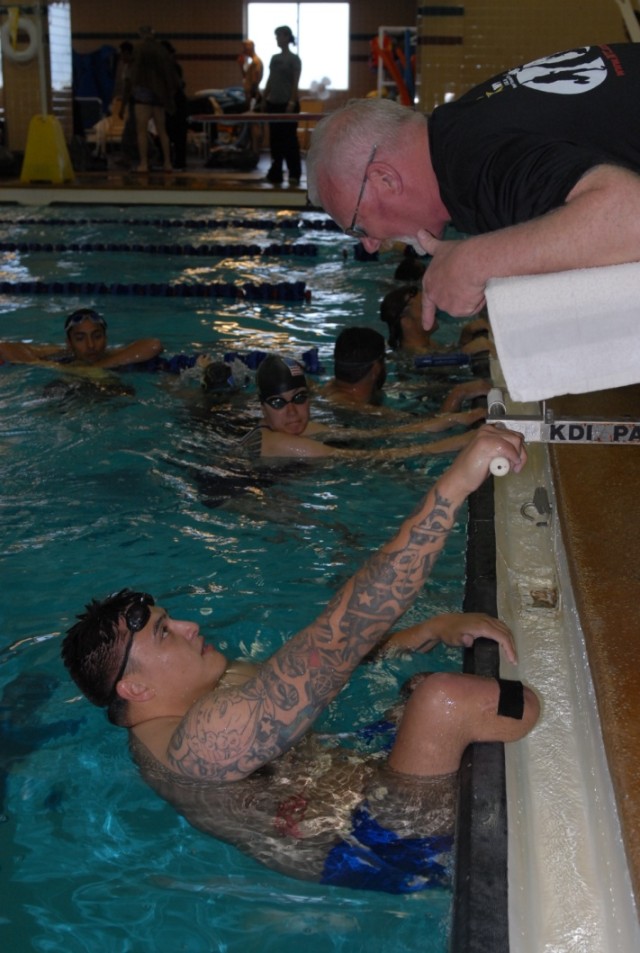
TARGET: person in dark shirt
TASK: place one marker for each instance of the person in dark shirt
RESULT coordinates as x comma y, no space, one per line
539,166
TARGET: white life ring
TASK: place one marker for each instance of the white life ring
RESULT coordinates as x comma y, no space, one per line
30,50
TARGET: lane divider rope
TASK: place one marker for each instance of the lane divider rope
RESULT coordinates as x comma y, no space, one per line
280,291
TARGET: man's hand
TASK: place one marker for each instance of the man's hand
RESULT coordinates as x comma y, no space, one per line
471,467
446,283
463,628
456,629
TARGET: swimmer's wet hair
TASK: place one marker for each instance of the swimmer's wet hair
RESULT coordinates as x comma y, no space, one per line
95,649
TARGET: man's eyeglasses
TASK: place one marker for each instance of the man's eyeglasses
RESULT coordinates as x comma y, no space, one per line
354,231
279,403
136,616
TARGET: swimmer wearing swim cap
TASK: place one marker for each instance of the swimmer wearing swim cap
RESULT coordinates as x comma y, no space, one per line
287,431
277,375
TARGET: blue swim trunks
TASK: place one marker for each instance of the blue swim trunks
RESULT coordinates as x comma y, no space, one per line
376,858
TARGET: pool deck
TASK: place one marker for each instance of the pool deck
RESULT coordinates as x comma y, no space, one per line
196,186
599,509
596,486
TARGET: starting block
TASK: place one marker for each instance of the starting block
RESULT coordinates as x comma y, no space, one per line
46,157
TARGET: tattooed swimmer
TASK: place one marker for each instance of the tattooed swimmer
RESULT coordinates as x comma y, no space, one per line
231,747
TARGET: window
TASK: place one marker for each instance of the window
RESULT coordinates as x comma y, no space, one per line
322,32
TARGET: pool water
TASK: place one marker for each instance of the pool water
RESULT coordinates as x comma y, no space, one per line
131,488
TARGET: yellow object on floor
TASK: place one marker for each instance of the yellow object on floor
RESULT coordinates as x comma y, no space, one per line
46,157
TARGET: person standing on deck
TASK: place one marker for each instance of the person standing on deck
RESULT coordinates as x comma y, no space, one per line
252,72
154,86
281,96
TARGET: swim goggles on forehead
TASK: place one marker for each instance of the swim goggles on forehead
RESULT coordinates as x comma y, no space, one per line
279,403
84,314
136,615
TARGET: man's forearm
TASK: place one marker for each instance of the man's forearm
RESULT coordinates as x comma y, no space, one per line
309,670
139,351
228,735
599,224
379,593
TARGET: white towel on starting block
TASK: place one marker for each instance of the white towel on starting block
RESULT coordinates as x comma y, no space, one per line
569,332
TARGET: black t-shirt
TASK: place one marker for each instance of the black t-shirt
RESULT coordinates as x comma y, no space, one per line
513,147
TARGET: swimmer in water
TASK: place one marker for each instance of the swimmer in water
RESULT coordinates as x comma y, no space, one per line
234,751
86,346
401,311
360,374
287,431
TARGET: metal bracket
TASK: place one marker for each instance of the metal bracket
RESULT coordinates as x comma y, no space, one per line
547,428
538,507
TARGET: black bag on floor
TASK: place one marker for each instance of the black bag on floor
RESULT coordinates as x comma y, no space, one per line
227,157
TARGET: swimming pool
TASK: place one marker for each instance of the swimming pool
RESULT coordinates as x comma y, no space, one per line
101,491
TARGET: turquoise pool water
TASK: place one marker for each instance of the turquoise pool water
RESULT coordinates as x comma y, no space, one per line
104,491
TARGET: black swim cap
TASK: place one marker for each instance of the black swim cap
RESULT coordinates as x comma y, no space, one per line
355,351
276,375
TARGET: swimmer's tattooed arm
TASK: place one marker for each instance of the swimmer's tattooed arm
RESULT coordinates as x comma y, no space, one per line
229,733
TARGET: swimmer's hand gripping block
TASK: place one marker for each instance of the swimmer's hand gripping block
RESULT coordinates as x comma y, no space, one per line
496,408
46,157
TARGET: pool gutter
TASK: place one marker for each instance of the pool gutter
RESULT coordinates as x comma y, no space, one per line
480,910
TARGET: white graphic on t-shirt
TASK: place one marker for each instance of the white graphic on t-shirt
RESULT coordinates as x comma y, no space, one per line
575,71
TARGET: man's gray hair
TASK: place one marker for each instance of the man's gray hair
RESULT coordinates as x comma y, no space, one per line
342,141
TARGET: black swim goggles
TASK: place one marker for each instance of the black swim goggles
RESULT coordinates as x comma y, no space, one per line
279,403
136,615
